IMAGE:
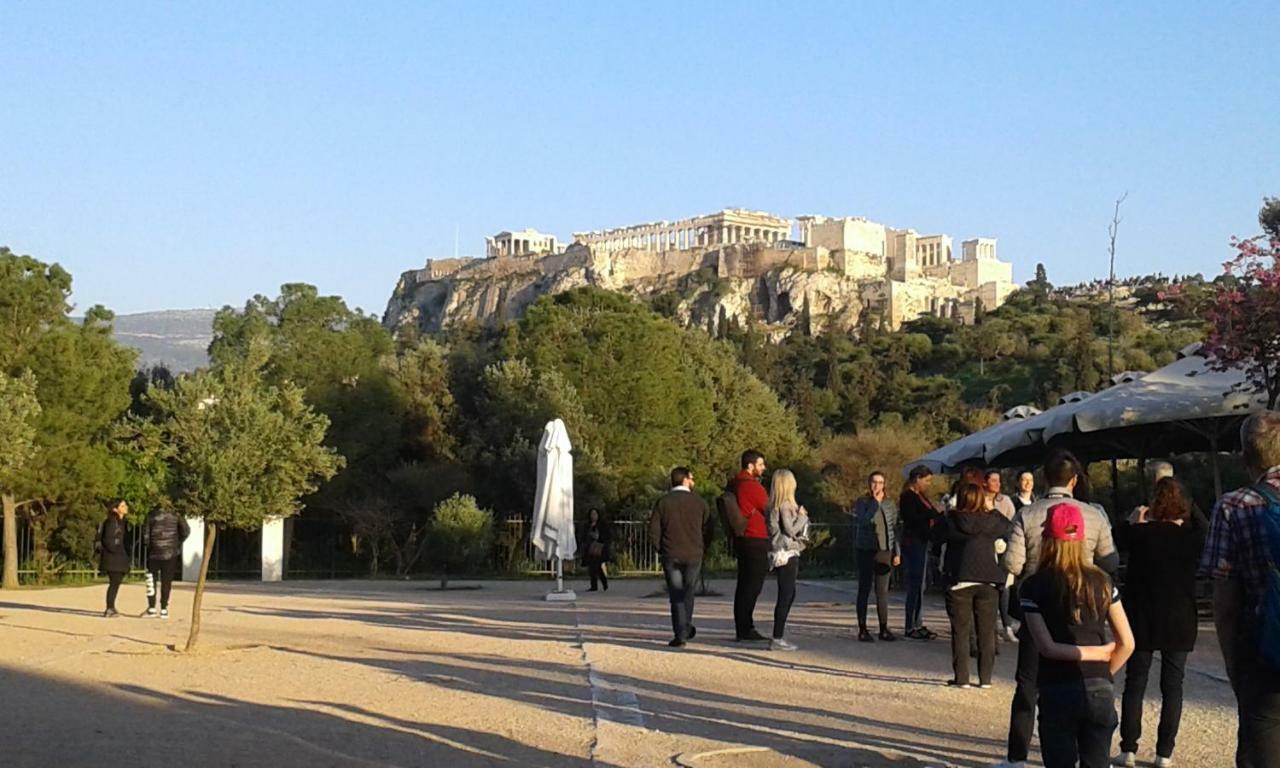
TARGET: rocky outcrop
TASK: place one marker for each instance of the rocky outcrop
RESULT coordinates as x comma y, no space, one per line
778,288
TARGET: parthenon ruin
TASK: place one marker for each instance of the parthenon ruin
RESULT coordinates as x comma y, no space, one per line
731,226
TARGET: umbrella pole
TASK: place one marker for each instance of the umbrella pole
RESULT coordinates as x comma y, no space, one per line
559,574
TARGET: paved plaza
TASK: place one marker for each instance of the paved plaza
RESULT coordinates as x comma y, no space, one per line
401,674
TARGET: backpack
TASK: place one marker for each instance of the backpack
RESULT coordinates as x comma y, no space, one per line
1269,601
730,515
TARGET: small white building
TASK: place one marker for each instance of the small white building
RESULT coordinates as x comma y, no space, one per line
528,242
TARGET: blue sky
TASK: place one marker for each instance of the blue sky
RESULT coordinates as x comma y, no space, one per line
189,155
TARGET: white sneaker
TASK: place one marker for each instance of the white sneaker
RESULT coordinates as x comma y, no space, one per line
151,612
1164,762
1010,635
164,613
778,644
1125,760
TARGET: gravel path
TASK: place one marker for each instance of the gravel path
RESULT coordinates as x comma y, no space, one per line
398,674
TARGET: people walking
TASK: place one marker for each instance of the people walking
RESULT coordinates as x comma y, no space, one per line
973,572
788,533
163,533
918,514
1241,555
1068,604
678,529
113,557
752,546
1063,476
1164,545
876,553
597,548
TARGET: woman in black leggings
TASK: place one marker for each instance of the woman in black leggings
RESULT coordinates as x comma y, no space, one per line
788,533
113,560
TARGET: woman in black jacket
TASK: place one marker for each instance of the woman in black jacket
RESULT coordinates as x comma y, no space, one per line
597,548
1165,541
113,560
973,571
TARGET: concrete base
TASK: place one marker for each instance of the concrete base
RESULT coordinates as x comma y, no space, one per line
566,596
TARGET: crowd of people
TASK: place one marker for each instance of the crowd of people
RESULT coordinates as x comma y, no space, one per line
1039,570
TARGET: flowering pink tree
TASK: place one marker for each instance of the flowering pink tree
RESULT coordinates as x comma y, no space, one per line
1243,315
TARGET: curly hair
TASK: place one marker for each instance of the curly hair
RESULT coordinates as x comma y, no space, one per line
1169,502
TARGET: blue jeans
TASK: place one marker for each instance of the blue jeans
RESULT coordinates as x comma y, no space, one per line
682,584
1077,721
915,556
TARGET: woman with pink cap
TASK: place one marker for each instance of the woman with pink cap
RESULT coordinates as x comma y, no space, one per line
1068,604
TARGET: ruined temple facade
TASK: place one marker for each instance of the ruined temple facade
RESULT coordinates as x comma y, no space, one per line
835,271
731,226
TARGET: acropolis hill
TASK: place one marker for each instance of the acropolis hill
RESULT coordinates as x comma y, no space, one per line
733,264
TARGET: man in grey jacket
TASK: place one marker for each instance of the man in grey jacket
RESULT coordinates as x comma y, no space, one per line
1022,559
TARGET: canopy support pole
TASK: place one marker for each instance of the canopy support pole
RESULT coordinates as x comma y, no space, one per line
560,594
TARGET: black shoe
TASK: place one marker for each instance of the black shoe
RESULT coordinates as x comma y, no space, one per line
606,586
676,643
693,632
110,613
865,637
751,637
887,636
593,589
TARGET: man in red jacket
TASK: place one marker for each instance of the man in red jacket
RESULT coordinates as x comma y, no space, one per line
752,547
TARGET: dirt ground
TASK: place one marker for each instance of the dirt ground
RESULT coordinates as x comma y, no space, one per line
400,674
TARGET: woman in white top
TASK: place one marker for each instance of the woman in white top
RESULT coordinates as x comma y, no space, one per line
788,534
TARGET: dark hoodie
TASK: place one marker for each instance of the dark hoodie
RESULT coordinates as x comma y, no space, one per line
971,546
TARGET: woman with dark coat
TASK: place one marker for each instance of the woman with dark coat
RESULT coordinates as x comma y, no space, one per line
597,549
1165,541
113,560
973,572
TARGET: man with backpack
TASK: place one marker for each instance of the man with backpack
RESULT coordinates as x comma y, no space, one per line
1242,554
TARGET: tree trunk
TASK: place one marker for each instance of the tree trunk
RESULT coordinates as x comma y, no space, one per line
10,541
210,533
39,545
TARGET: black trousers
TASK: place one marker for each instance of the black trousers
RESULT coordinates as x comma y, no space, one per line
971,607
1173,667
1022,713
867,576
753,566
113,589
595,568
682,586
787,575
1077,722
161,573
1258,701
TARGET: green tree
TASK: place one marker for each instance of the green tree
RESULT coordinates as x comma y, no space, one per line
461,536
18,411
243,450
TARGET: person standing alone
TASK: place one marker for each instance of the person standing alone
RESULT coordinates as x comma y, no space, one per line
752,546
876,554
678,529
163,534
597,541
113,559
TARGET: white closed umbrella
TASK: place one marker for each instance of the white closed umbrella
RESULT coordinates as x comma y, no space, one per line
552,531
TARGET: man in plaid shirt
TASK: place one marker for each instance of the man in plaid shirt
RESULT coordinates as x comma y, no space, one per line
1238,558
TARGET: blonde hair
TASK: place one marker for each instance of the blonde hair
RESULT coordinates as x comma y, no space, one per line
783,489
1085,587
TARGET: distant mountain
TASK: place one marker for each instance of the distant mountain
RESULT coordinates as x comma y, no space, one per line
177,338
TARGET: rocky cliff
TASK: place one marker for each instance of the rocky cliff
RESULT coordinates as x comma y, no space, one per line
777,287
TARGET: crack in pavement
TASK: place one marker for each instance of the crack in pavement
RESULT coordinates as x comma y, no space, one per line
609,703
